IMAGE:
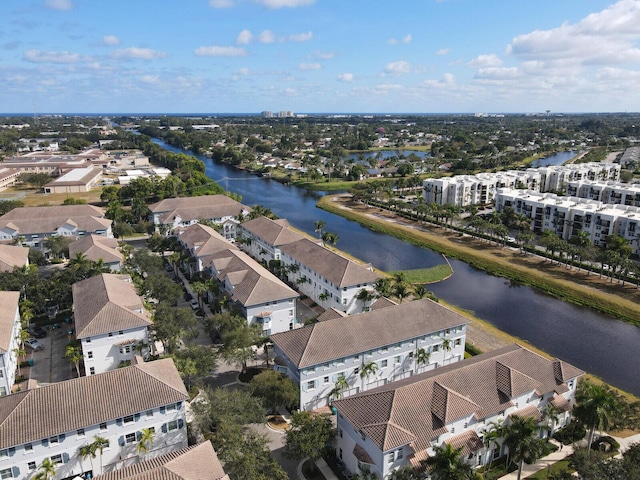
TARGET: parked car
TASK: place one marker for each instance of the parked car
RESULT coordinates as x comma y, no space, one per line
194,304
37,332
33,344
187,296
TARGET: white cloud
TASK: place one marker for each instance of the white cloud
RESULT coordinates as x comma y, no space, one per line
138,53
301,37
244,37
267,36
446,81
149,79
322,55
309,66
110,41
481,61
397,68
59,4
443,51
38,56
285,3
221,3
392,41
406,38
243,71
216,51
345,77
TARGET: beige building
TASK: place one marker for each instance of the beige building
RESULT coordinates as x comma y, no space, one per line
8,177
96,248
74,181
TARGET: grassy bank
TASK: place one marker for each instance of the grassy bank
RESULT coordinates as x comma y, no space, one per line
573,286
426,275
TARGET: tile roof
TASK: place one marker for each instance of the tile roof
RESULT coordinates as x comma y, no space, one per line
195,208
64,407
334,267
205,241
468,441
96,247
252,283
38,220
13,256
169,204
528,411
198,462
274,232
416,403
8,307
107,303
343,337
331,314
560,403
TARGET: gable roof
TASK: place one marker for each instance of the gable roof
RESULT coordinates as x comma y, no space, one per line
195,208
13,256
274,232
107,303
39,220
425,403
204,241
198,462
96,247
334,267
342,337
67,406
9,302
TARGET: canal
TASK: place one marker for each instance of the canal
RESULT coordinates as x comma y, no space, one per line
591,341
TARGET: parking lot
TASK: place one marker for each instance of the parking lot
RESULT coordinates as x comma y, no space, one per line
49,364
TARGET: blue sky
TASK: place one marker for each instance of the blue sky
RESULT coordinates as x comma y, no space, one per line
315,56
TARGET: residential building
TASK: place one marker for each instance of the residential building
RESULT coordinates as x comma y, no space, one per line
10,327
111,321
263,237
34,225
75,181
198,462
56,164
613,193
399,424
325,276
12,256
184,211
390,343
54,421
201,242
9,177
97,248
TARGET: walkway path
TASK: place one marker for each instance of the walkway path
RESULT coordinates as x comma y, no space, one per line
541,464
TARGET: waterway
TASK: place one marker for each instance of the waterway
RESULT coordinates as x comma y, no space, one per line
593,342
559,158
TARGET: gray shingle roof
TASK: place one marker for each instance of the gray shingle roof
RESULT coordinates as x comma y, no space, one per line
106,303
343,337
96,247
198,462
64,407
410,403
38,220
274,232
8,306
334,267
195,208
13,256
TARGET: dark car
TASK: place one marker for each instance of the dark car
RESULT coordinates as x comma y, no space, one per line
37,332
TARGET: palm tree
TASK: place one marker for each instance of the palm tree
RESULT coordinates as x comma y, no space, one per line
146,440
551,415
520,438
365,296
86,451
422,358
368,369
340,386
174,258
26,311
74,355
330,238
595,406
446,347
447,464
319,227
200,288
490,435
98,445
401,290
47,470
19,352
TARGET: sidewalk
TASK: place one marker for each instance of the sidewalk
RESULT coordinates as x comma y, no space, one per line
542,463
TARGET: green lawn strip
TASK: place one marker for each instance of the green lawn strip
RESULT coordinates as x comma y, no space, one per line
604,302
557,467
426,275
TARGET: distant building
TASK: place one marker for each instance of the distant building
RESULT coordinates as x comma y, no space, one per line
75,181
9,177
56,164
266,114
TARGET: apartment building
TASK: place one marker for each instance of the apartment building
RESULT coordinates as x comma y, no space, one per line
388,344
111,322
54,421
399,424
97,248
10,327
613,193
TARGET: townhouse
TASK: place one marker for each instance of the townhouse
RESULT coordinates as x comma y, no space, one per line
97,248
256,293
184,211
198,462
262,237
481,189
111,322
115,408
12,256
10,327
33,226
369,349
399,424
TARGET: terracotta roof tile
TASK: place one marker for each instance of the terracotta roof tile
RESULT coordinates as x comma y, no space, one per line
274,232
468,441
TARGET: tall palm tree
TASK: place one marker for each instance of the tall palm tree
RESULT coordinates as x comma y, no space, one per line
447,464
47,470
73,353
368,369
422,357
98,445
146,440
595,406
491,435
319,227
520,438
85,451
340,386
365,296
446,347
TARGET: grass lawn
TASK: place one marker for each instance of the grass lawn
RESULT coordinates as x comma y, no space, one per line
35,198
555,468
426,275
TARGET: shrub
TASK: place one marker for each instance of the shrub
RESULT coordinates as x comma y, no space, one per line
571,433
605,444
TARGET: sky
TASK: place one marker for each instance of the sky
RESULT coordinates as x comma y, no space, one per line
319,56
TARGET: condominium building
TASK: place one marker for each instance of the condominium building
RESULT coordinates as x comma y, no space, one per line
614,193
9,339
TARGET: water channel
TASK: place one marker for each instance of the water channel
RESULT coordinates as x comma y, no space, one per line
593,342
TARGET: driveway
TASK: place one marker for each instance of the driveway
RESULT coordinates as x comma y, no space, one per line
50,364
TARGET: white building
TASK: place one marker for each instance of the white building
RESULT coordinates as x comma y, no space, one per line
399,424
391,338
111,322
54,421
97,248
614,193
9,339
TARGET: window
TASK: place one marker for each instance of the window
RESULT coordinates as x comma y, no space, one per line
31,465
325,380
6,473
496,452
149,413
103,427
399,454
1,373
171,408
356,371
436,348
89,354
390,458
397,359
311,385
344,301
458,342
55,459
173,425
88,340
28,448
80,433
120,332
383,364
4,453
110,334
54,440
130,438
128,419
92,370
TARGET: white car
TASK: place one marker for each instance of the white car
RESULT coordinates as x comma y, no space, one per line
33,344
194,304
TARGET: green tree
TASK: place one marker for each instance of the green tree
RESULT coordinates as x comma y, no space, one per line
194,363
145,440
520,438
595,407
236,335
309,436
368,369
319,227
46,471
275,389
73,353
162,288
171,325
422,357
447,464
